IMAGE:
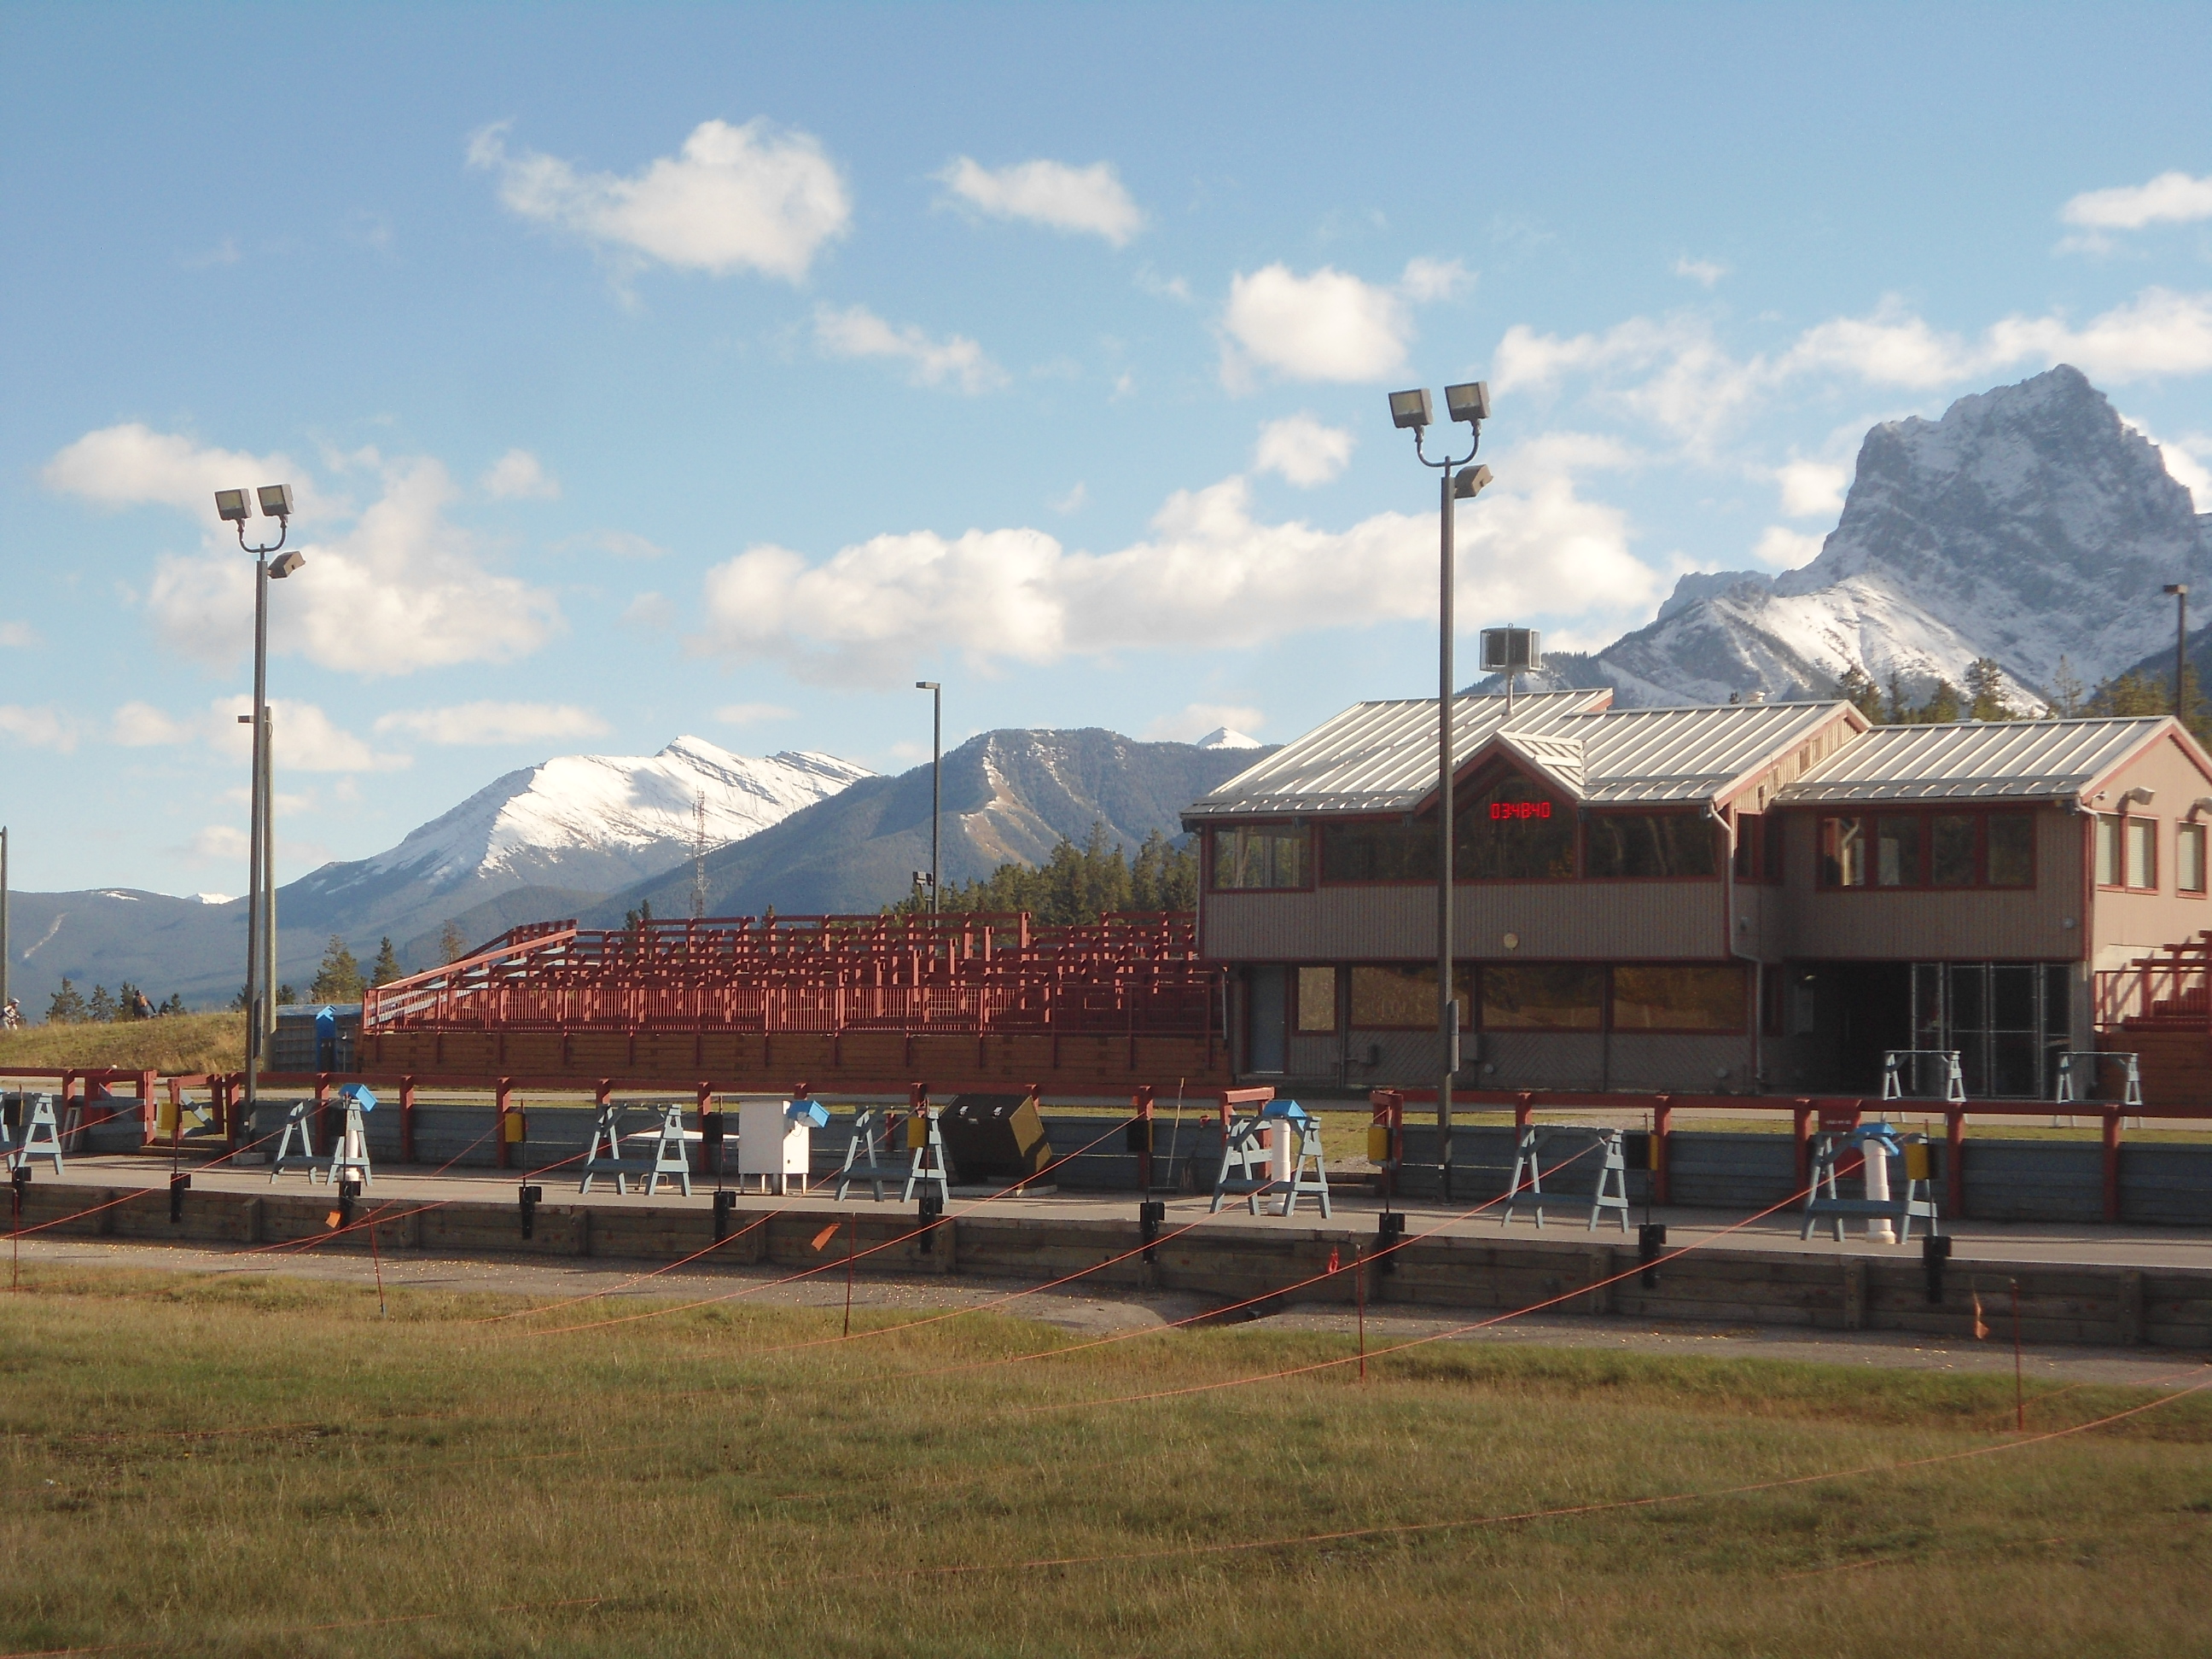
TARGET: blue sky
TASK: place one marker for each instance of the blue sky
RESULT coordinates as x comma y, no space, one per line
724,370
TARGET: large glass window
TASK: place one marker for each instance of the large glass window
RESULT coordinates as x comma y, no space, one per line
2141,839
1652,844
2108,849
1678,999
1392,997
2188,857
1390,851
1897,850
1562,996
1512,831
1842,853
1316,992
1950,850
2011,848
1260,855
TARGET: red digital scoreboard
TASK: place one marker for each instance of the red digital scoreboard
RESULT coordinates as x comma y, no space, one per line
1520,809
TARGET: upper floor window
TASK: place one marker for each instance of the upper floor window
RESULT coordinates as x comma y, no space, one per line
1928,849
1513,831
1652,844
2188,857
2126,853
1260,855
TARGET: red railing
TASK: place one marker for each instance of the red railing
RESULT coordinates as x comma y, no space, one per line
962,974
2168,990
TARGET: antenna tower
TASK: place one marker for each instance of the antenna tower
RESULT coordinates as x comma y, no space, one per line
699,855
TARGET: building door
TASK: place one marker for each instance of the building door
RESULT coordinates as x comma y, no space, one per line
2005,1020
1268,1019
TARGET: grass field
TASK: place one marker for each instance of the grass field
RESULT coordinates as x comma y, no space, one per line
174,1044
252,1465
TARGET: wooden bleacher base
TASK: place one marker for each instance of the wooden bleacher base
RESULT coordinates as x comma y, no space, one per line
296,1122
669,1157
1246,1146
1608,1193
1914,1198
38,1113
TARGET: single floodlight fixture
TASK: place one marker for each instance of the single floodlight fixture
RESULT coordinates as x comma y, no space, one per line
1410,408
285,564
1469,403
231,506
2140,795
1471,483
276,500
2177,590
926,686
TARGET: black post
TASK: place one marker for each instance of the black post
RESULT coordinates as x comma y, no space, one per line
2180,592
1447,1004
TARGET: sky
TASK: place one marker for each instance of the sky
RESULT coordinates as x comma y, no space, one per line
724,370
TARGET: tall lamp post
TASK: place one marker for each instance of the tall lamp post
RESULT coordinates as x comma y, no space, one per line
1467,404
234,506
2178,591
936,776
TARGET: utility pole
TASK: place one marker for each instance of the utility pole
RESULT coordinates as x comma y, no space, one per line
4,916
699,855
2179,591
936,777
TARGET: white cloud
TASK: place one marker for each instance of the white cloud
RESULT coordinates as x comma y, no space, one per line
624,544
1434,279
748,714
302,737
18,634
1074,501
1211,576
1303,450
1703,272
2188,461
1194,720
1811,490
402,589
1089,199
2172,199
1782,549
44,726
858,332
218,842
127,465
745,197
517,476
142,726
494,723
649,611
1327,326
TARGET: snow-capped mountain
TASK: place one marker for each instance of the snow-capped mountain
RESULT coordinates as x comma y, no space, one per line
2030,523
580,825
1225,737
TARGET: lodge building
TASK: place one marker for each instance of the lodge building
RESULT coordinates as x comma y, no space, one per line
1763,896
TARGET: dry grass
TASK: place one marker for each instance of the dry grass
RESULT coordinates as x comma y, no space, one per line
172,1043
252,1465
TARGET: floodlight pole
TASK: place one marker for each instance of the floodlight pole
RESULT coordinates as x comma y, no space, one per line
936,778
1447,1004
261,857
2180,592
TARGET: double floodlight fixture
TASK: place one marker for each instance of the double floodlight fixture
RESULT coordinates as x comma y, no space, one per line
235,506
1467,404
1470,484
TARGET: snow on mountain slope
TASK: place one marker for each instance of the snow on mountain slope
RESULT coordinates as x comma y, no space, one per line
2028,524
642,809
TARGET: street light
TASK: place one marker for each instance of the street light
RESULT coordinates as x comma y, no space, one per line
1468,405
2179,594
234,506
936,776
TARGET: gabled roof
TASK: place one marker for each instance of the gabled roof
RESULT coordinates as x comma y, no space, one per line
1381,757
1983,760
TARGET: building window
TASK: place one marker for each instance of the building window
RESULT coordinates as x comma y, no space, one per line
1678,999
1316,991
1842,853
1647,844
1388,997
1941,849
2139,838
1393,851
1513,831
1260,855
2188,857
1543,997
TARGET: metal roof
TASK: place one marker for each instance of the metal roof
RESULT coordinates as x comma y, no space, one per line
1978,760
1382,756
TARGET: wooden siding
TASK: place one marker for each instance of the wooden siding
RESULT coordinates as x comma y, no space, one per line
1554,921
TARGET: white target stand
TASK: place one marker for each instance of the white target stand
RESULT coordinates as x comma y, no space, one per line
861,1159
670,1160
927,1170
37,1113
297,1122
348,1159
1608,1194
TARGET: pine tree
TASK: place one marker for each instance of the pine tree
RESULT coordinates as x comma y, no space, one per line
126,1002
452,947
1942,706
1899,705
1986,684
386,968
287,995
338,978
1855,688
2131,696
101,1008
175,1005
67,1007
2067,695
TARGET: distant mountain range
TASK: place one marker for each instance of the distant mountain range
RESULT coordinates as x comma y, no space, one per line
2029,524
594,835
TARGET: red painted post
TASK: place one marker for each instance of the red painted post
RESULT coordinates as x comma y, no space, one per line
1142,1101
322,1109
407,1119
1954,1165
146,1131
1800,1126
499,1098
2111,1165
1663,1120
1524,1108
